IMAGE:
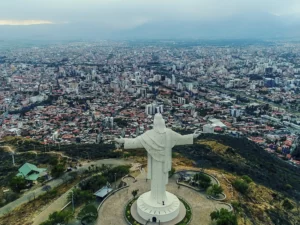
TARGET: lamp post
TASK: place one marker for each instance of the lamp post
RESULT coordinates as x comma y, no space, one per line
73,201
115,180
13,159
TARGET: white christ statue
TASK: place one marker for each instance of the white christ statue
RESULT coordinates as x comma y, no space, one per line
158,204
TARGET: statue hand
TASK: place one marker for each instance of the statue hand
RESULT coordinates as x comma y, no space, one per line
119,140
197,133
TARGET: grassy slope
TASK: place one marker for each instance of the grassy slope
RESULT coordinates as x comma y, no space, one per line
236,157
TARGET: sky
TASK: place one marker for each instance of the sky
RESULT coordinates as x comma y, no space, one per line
118,15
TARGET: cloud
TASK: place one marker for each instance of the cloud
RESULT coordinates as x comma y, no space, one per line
23,22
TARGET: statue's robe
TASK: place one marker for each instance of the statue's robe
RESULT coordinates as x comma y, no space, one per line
159,147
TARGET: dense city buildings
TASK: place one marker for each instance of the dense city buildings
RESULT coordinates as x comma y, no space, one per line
93,92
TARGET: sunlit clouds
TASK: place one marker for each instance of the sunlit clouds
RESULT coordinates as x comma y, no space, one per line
23,22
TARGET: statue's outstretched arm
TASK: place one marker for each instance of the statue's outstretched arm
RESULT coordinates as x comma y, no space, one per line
185,139
130,143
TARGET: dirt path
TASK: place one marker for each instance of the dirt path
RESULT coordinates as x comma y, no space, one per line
10,150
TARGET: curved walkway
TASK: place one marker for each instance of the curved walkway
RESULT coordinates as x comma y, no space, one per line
112,211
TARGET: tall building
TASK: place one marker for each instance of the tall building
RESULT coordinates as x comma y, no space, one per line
173,80
143,92
181,100
269,82
190,86
153,108
235,112
168,81
179,86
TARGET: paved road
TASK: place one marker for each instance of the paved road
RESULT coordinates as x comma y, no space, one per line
54,183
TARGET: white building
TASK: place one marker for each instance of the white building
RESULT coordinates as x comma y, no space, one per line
179,86
208,128
173,80
154,108
181,101
235,112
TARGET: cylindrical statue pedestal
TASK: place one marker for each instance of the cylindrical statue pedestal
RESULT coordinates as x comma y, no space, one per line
149,209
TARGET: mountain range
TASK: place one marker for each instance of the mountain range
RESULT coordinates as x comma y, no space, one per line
259,26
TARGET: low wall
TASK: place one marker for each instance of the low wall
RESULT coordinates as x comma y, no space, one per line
196,171
218,199
197,189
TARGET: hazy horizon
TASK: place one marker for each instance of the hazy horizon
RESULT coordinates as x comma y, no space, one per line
133,19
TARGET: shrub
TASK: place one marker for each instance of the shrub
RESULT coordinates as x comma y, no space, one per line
224,217
214,190
236,206
241,186
247,179
287,205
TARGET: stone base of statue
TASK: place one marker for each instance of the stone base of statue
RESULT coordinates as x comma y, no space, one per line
148,209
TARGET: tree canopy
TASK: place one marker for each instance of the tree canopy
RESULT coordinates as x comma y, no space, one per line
224,217
61,217
214,190
88,214
80,196
17,183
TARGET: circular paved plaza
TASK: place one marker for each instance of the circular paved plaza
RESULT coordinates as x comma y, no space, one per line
112,210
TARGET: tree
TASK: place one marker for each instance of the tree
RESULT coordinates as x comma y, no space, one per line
224,217
121,122
203,180
214,190
88,214
73,175
17,183
80,196
93,183
135,192
57,170
287,205
62,217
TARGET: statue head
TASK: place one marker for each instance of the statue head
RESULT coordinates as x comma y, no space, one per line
159,125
